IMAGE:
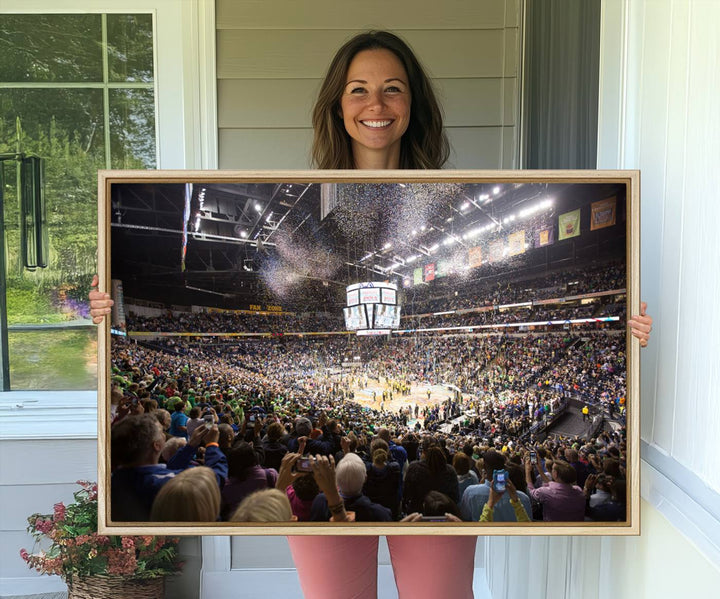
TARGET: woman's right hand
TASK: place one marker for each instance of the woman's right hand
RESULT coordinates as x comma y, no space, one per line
286,474
100,302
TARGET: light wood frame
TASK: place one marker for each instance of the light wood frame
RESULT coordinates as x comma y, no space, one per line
629,178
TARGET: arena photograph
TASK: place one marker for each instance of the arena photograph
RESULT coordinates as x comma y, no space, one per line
404,354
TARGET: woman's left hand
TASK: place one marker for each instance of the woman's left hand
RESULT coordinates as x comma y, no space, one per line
641,325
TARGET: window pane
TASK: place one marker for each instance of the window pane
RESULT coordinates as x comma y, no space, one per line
132,128
53,121
50,48
66,127
53,359
130,47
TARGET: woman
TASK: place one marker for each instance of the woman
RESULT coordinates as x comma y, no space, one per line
245,477
466,476
377,110
430,473
384,478
351,474
191,496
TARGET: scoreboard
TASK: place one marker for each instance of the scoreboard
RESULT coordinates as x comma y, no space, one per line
372,308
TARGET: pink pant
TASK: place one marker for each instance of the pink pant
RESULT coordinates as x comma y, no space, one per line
429,567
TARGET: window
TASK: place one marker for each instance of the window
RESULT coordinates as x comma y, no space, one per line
77,90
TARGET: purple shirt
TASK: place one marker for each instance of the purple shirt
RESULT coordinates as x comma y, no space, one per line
561,502
236,490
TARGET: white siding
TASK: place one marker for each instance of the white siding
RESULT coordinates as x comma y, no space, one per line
669,125
658,112
271,58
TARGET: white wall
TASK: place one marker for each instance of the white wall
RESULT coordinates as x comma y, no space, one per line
658,112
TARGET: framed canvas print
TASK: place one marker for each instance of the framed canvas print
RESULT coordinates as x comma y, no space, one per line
395,352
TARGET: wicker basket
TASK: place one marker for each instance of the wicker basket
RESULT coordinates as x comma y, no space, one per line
116,587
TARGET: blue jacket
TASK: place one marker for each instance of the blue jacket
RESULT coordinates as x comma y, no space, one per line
133,490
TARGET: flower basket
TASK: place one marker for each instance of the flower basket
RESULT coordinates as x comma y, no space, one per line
116,587
94,566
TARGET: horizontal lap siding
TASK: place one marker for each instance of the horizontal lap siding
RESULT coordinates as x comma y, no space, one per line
306,54
271,58
35,475
396,15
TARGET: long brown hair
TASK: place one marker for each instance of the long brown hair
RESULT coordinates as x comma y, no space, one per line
424,144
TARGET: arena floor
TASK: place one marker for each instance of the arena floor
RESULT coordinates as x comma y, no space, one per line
418,396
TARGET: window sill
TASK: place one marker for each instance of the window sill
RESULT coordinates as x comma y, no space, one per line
48,415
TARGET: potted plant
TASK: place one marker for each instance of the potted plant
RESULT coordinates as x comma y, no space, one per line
94,565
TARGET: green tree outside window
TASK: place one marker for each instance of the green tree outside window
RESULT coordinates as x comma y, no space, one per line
78,91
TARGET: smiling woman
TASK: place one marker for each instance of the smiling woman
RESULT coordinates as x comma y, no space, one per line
375,78
375,108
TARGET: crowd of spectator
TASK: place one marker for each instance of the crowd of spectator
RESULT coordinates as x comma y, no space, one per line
238,409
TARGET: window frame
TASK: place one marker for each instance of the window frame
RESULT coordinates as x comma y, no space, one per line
186,138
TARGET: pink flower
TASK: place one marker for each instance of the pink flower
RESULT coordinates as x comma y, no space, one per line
43,526
24,555
59,512
121,562
128,543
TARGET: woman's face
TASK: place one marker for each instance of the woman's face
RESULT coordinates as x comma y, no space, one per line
375,108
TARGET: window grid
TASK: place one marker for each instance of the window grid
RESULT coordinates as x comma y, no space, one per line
105,85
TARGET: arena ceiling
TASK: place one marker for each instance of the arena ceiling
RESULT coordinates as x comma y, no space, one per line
238,232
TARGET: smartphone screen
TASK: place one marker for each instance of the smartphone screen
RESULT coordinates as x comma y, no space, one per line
499,480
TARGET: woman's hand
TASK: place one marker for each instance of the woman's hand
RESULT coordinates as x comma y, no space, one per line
414,517
641,325
323,468
286,475
100,303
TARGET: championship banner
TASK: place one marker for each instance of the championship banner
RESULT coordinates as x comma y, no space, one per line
429,272
569,225
544,237
495,251
516,243
418,276
602,214
443,268
475,257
